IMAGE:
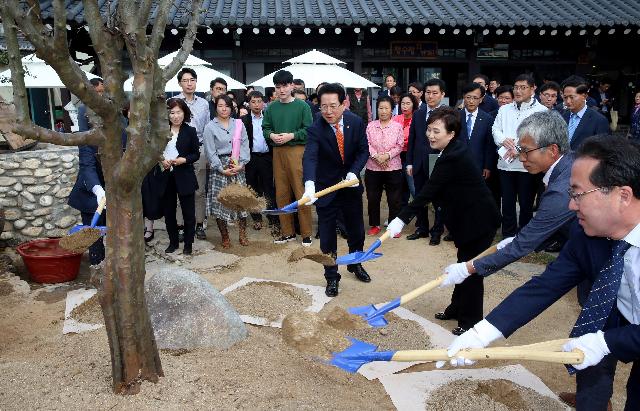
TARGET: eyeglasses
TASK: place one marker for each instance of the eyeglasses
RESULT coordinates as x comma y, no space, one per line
549,95
577,196
326,109
521,87
188,80
472,98
525,153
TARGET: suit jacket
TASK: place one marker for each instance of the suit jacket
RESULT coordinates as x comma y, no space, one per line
188,147
592,123
481,142
322,162
89,175
418,149
248,125
469,209
488,104
553,216
581,259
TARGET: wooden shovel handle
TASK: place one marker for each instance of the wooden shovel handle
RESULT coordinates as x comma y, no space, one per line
335,187
101,204
497,353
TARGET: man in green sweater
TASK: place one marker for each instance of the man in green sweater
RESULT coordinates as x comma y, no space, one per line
285,125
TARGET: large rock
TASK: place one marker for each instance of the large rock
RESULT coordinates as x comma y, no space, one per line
187,312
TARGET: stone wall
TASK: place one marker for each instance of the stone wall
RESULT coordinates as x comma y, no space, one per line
34,186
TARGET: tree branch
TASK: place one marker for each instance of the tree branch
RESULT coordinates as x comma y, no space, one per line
160,24
187,43
94,137
15,64
60,26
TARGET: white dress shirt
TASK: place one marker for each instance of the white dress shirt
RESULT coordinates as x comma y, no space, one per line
170,151
547,175
629,292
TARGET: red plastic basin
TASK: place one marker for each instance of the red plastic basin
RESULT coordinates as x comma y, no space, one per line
49,263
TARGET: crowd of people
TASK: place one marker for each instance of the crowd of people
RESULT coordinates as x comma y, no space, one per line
481,165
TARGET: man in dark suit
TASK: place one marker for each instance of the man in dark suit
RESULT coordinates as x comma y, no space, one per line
389,82
582,122
603,248
418,159
488,104
476,129
336,150
602,99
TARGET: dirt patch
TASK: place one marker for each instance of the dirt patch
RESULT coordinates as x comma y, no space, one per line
55,295
257,248
88,312
308,333
241,198
269,299
80,241
399,334
498,395
312,254
340,319
5,288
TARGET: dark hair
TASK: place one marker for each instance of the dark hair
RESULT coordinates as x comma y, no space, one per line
255,94
231,94
332,88
268,91
227,100
417,85
449,116
482,76
386,98
414,100
96,81
390,75
473,87
436,82
579,83
178,102
526,77
496,79
282,77
313,96
550,85
185,71
395,90
504,89
298,91
298,81
218,80
618,161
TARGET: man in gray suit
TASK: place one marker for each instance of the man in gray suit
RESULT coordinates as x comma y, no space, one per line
543,149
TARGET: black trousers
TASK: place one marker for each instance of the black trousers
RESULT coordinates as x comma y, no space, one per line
188,206
517,186
422,218
378,181
96,250
467,299
350,203
259,175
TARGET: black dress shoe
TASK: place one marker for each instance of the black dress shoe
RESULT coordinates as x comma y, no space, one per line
148,238
448,237
187,250
359,271
554,247
435,239
458,331
200,233
171,249
416,235
443,316
181,235
332,288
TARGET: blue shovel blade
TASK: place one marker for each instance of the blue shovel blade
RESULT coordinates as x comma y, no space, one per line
358,354
357,258
288,209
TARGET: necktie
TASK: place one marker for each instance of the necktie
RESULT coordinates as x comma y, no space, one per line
428,114
469,124
573,124
340,140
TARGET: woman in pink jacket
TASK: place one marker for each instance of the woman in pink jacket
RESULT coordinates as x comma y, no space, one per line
384,167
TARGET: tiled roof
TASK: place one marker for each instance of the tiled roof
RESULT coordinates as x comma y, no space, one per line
467,13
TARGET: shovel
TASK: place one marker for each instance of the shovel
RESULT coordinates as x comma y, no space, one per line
360,353
293,207
362,256
76,241
375,316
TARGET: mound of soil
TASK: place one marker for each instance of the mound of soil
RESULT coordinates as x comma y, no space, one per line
399,334
269,299
340,319
88,312
312,254
308,333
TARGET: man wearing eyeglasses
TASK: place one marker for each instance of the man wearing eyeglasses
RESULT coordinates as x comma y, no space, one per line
582,122
517,185
603,248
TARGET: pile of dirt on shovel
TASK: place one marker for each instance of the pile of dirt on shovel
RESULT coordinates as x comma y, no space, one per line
268,299
80,241
241,198
496,395
399,334
312,254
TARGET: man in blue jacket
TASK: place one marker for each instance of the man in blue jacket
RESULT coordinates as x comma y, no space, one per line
604,248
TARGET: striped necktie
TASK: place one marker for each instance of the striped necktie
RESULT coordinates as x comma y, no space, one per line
469,124
340,140
574,120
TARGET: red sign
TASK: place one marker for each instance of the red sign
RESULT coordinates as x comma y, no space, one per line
414,49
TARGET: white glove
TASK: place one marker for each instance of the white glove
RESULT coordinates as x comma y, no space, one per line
98,191
456,273
351,176
310,192
593,345
480,336
395,226
409,170
502,244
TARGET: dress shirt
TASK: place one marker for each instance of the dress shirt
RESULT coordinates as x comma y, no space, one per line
217,142
199,113
603,97
580,113
629,292
547,175
474,115
259,143
170,151
388,139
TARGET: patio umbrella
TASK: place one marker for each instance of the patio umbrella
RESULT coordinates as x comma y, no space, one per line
38,74
316,67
